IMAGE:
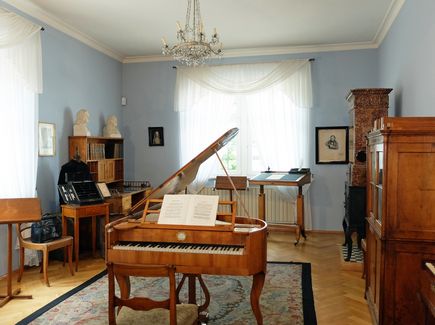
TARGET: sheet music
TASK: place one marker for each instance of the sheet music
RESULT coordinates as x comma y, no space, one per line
189,209
275,176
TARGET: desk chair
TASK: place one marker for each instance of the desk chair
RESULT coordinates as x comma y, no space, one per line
145,310
26,242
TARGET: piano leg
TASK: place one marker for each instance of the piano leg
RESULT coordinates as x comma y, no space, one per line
124,285
257,286
111,310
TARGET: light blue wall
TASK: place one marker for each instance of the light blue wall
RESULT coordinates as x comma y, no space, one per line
75,76
149,88
407,60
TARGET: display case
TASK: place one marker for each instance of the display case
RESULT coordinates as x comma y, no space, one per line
400,215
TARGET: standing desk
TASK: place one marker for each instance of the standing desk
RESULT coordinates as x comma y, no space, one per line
16,211
76,212
283,179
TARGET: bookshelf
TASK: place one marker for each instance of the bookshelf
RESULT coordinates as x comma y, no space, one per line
104,156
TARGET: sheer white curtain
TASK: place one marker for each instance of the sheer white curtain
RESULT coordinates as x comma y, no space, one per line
269,102
20,82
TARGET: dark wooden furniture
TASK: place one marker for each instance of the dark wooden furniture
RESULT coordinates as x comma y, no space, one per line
16,211
104,156
365,106
354,215
65,242
283,179
400,216
76,212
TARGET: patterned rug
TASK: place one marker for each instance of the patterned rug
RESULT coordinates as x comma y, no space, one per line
287,298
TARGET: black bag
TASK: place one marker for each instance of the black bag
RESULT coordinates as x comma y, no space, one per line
48,229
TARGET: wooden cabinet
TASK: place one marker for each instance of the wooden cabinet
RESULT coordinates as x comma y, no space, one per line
104,157
400,216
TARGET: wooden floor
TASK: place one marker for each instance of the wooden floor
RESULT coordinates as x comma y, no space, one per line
338,293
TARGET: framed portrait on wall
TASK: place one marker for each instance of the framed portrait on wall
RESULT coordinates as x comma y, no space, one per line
156,136
332,145
46,139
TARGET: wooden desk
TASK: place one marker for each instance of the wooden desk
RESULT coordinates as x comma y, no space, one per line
16,211
124,199
283,179
83,211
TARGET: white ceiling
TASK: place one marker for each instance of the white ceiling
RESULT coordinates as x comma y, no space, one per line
131,30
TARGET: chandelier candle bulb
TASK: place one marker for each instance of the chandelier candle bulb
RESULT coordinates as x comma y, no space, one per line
164,42
178,26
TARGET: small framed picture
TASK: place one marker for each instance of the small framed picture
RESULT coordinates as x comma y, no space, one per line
332,145
46,139
155,136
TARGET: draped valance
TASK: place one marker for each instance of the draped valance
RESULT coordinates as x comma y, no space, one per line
244,79
20,45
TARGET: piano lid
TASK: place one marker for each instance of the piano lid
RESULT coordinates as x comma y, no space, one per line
186,175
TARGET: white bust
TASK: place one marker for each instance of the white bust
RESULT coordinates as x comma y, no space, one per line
111,128
81,123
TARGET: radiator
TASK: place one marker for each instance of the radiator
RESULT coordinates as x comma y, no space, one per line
278,209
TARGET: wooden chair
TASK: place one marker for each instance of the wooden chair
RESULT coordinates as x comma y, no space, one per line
25,242
146,310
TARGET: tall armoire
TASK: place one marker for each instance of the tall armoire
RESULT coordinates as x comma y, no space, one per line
365,106
400,216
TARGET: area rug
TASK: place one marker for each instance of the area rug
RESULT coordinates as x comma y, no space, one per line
287,298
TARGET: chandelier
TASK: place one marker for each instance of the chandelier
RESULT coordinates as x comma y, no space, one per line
193,48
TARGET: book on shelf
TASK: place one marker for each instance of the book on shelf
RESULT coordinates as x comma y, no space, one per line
189,209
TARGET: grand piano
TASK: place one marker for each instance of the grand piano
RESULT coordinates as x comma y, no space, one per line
234,246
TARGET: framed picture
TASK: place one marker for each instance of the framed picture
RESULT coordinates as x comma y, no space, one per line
46,139
155,136
332,145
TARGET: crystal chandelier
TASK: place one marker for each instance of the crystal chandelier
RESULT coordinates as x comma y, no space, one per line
192,48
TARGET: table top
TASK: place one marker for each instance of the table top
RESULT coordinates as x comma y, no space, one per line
20,210
83,206
281,178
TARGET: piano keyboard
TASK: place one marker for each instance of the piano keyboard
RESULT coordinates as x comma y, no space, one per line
180,248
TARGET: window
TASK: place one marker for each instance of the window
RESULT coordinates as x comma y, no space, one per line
272,119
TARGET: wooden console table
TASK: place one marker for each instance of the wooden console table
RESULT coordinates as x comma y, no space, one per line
16,211
283,179
83,211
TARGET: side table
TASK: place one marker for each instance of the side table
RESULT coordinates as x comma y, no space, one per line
16,211
76,212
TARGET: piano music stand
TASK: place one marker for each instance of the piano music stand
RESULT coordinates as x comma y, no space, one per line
16,211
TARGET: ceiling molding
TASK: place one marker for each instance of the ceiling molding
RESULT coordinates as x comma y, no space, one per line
42,15
388,20
266,51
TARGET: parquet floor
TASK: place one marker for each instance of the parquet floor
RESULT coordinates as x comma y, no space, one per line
338,294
